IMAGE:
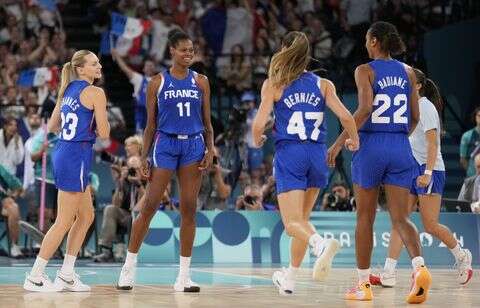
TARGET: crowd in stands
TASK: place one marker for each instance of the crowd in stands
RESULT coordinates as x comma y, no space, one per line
234,41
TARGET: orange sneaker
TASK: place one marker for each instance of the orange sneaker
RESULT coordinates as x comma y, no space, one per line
362,292
421,281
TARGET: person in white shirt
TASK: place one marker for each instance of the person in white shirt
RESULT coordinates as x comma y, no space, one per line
139,82
11,146
427,188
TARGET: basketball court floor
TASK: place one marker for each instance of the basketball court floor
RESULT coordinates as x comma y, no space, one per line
224,286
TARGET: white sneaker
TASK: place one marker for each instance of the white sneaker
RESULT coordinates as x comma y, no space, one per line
388,279
39,284
70,283
284,285
15,251
127,277
185,284
325,252
464,267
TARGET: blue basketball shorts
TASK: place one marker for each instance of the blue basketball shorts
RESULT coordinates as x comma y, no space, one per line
383,158
300,165
174,151
436,185
72,163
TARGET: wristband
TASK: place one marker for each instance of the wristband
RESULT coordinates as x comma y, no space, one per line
428,172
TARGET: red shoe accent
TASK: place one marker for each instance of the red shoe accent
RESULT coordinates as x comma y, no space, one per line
375,280
470,275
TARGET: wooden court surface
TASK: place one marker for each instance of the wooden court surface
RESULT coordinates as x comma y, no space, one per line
259,292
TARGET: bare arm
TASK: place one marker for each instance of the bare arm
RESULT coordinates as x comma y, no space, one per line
334,103
414,108
223,188
207,121
54,122
151,125
432,148
95,97
263,114
121,63
363,80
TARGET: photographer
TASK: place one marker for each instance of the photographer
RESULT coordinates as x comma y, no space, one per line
251,200
339,199
129,188
133,147
214,190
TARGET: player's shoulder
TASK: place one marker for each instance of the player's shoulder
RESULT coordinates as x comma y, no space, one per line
92,90
364,69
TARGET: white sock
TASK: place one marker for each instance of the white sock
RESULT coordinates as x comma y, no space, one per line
68,264
417,262
458,252
292,272
390,265
131,259
184,266
38,267
363,275
314,239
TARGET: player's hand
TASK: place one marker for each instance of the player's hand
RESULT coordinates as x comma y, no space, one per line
332,154
424,180
259,143
206,161
145,169
352,144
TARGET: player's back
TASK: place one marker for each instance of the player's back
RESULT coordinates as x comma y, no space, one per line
299,113
78,122
391,90
300,134
385,155
179,105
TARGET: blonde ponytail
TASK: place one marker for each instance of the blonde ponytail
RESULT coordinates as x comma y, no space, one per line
69,71
291,61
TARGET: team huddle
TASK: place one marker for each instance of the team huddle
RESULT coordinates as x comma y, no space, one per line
394,135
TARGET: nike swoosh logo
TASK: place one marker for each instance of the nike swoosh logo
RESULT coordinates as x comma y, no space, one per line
38,284
71,282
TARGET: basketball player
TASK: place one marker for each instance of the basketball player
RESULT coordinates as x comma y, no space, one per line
387,112
427,188
298,100
80,107
178,113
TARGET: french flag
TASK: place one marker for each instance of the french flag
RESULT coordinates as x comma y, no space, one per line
36,77
125,35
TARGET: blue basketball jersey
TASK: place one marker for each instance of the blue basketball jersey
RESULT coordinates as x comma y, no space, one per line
78,123
391,90
300,111
179,105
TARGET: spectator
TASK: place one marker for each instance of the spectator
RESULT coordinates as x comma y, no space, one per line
338,200
251,200
139,82
470,145
239,27
10,188
270,201
128,191
11,146
214,190
470,191
237,74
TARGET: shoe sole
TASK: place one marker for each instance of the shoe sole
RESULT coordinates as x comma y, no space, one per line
280,290
422,286
123,288
193,289
38,290
323,264
388,284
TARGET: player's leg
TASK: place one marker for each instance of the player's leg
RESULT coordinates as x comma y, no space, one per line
190,179
387,277
429,211
397,199
68,203
154,193
66,278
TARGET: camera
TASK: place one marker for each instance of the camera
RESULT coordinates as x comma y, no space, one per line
112,159
215,160
249,199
